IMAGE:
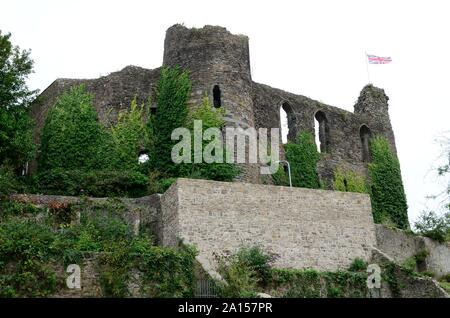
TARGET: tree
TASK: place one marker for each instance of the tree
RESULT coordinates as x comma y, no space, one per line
72,138
16,144
130,135
387,192
172,95
219,171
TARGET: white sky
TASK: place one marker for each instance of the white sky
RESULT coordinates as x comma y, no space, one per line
313,48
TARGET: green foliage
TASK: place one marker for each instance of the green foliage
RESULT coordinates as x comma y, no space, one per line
409,264
308,283
98,183
249,271
130,135
29,251
303,157
389,274
349,181
280,177
297,283
210,118
8,181
25,244
72,138
421,255
358,265
167,272
434,226
258,261
243,271
13,208
16,144
79,157
173,91
387,193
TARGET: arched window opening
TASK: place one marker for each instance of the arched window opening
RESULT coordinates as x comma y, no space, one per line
365,135
322,132
286,122
143,157
284,125
217,96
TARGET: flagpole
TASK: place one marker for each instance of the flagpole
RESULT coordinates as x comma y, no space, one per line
367,66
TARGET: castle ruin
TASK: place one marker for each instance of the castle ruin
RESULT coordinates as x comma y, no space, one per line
219,66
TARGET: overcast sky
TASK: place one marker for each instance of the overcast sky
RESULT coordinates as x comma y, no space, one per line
312,48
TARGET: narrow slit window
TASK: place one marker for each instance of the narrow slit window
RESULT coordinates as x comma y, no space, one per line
217,96
322,132
365,135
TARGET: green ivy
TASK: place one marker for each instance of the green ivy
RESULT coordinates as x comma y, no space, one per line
172,94
387,193
210,118
129,135
30,249
303,157
72,137
349,181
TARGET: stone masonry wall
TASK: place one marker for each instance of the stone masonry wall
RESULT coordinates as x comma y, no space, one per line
401,246
321,229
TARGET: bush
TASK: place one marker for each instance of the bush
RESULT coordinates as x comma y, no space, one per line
357,265
258,261
29,251
434,226
349,181
8,181
92,183
129,136
72,137
245,271
210,118
387,192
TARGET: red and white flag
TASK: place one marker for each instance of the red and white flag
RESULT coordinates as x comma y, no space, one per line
373,59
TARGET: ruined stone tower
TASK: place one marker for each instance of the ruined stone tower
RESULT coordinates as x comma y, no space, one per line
219,66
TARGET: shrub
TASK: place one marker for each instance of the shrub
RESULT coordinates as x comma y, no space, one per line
357,265
434,226
129,136
387,193
349,181
30,249
258,261
245,271
93,183
210,118
72,138
8,181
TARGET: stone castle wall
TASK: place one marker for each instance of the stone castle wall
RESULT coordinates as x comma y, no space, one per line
320,229
401,246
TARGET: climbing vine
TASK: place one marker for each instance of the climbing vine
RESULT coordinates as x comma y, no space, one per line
173,91
303,157
387,192
349,181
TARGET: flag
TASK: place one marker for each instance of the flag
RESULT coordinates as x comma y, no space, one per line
373,59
